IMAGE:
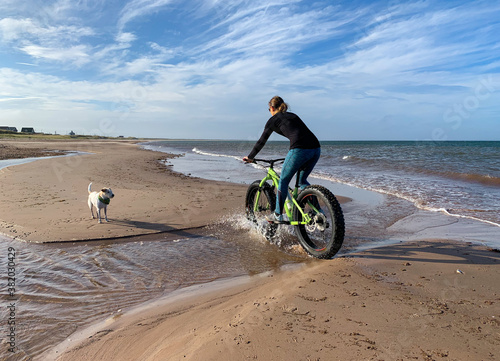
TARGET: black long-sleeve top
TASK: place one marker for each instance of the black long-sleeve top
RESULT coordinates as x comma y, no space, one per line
290,126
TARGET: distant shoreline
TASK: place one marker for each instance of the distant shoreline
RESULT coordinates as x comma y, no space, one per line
6,136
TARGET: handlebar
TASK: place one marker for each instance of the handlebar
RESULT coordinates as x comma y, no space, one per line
271,162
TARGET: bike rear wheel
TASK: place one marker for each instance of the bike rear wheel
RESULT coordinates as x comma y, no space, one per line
265,206
323,236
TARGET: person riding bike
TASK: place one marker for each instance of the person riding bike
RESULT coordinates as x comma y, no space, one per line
303,155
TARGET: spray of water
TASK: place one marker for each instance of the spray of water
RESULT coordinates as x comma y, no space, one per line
284,238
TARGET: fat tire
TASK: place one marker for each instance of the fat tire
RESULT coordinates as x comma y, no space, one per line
335,240
269,230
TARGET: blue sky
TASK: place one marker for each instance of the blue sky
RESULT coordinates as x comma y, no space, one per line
353,70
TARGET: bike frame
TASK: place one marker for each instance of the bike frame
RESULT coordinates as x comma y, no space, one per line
290,201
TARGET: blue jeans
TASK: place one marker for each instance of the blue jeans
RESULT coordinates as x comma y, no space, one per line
297,160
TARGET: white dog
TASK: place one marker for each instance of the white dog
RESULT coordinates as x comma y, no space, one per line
100,200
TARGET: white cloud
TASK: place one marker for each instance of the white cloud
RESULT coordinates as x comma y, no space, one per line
27,29
13,29
140,65
256,31
28,64
125,37
58,43
139,8
78,55
16,99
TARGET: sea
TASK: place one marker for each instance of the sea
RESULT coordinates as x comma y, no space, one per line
460,179
396,192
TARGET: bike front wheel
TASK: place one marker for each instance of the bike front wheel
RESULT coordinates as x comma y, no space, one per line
259,205
323,235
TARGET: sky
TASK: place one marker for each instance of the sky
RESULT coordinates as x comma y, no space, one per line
206,69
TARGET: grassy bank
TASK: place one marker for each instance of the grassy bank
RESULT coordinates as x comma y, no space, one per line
43,136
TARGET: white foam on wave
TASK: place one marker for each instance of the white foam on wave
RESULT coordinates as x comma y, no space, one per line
255,165
201,152
445,211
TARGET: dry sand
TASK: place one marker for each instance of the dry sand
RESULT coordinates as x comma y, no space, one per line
432,300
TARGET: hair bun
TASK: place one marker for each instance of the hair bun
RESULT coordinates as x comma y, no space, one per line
279,104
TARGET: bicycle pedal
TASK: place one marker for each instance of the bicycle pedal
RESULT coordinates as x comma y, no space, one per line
278,222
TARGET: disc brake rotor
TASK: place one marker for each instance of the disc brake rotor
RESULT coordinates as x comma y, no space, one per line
318,222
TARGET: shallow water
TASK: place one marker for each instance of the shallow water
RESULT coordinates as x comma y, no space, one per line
60,288
4,163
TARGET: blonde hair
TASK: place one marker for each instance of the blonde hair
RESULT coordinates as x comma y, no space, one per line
278,104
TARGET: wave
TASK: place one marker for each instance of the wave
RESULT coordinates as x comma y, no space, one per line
409,168
474,178
255,165
357,160
447,212
201,152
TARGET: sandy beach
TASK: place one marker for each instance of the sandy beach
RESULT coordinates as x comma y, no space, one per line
46,200
403,302
426,300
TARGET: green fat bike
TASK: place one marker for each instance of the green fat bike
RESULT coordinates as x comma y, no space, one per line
314,211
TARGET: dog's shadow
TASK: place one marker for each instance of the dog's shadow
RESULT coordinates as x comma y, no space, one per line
159,227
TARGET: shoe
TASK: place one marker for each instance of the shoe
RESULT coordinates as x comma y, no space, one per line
275,218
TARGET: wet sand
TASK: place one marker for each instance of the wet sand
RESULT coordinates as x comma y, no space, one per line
13,152
432,300
427,300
